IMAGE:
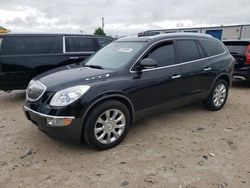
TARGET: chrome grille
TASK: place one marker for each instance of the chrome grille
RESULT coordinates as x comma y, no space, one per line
35,90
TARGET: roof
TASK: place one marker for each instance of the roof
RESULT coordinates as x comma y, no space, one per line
164,36
50,34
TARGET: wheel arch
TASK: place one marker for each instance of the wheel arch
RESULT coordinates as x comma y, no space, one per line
223,76
119,97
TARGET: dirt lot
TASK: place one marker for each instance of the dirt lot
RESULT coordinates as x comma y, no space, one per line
189,147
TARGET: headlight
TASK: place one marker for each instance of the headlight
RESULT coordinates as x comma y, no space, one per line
69,95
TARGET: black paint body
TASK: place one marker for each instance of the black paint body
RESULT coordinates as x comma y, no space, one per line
16,70
143,92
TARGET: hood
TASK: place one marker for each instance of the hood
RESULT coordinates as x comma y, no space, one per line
72,75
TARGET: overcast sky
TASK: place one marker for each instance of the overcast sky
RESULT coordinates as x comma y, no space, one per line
122,17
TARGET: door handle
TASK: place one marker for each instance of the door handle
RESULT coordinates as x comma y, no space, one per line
176,76
73,58
207,69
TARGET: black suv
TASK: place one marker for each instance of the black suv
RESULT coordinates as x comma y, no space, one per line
240,50
24,56
98,100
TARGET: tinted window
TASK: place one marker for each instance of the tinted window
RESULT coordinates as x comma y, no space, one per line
212,47
237,48
163,54
187,50
79,44
27,45
103,42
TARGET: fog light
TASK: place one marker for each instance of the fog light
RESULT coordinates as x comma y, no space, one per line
59,121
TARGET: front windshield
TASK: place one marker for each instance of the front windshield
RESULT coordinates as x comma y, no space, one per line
115,55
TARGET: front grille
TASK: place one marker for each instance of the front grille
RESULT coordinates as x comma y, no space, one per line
35,90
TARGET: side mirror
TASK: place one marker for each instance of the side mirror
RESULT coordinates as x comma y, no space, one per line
148,63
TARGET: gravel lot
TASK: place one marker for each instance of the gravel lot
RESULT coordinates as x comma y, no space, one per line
188,147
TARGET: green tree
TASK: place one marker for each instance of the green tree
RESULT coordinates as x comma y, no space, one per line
99,31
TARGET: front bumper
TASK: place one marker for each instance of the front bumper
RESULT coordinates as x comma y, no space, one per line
70,132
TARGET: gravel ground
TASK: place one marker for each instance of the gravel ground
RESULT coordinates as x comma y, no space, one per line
188,147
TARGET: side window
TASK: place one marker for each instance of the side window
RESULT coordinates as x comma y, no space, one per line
27,45
212,47
78,44
187,50
163,54
103,42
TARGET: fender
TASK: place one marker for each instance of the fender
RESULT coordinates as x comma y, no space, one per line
105,96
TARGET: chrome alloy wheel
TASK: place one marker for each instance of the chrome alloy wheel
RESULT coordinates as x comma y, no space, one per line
109,126
219,95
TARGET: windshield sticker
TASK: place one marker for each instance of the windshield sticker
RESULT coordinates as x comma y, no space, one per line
127,50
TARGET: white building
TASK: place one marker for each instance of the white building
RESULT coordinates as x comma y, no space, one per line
232,32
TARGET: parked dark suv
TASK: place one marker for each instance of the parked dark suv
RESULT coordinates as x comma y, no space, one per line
128,79
240,50
24,56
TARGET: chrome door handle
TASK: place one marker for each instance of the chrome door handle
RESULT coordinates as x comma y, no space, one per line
176,76
74,58
207,69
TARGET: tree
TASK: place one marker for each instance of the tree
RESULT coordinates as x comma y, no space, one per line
3,30
99,31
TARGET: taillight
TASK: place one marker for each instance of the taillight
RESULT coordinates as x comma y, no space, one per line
247,54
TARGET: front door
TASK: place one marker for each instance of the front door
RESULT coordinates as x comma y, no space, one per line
161,85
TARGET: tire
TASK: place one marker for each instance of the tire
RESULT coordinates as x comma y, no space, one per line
210,103
98,124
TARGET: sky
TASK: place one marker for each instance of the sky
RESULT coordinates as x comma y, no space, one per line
122,17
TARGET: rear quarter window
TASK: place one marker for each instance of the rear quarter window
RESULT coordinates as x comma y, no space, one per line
212,47
79,44
21,45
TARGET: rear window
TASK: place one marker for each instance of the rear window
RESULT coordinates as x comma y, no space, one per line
212,47
187,50
79,44
237,48
27,45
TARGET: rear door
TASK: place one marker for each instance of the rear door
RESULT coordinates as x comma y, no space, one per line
25,56
238,51
195,76
78,48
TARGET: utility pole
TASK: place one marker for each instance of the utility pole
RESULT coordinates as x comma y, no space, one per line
103,23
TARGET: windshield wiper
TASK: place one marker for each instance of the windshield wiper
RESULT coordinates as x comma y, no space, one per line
94,66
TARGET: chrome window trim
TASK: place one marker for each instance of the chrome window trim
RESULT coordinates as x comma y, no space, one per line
178,64
34,100
47,116
64,47
1,41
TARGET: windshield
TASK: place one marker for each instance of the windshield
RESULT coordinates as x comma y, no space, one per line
115,55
